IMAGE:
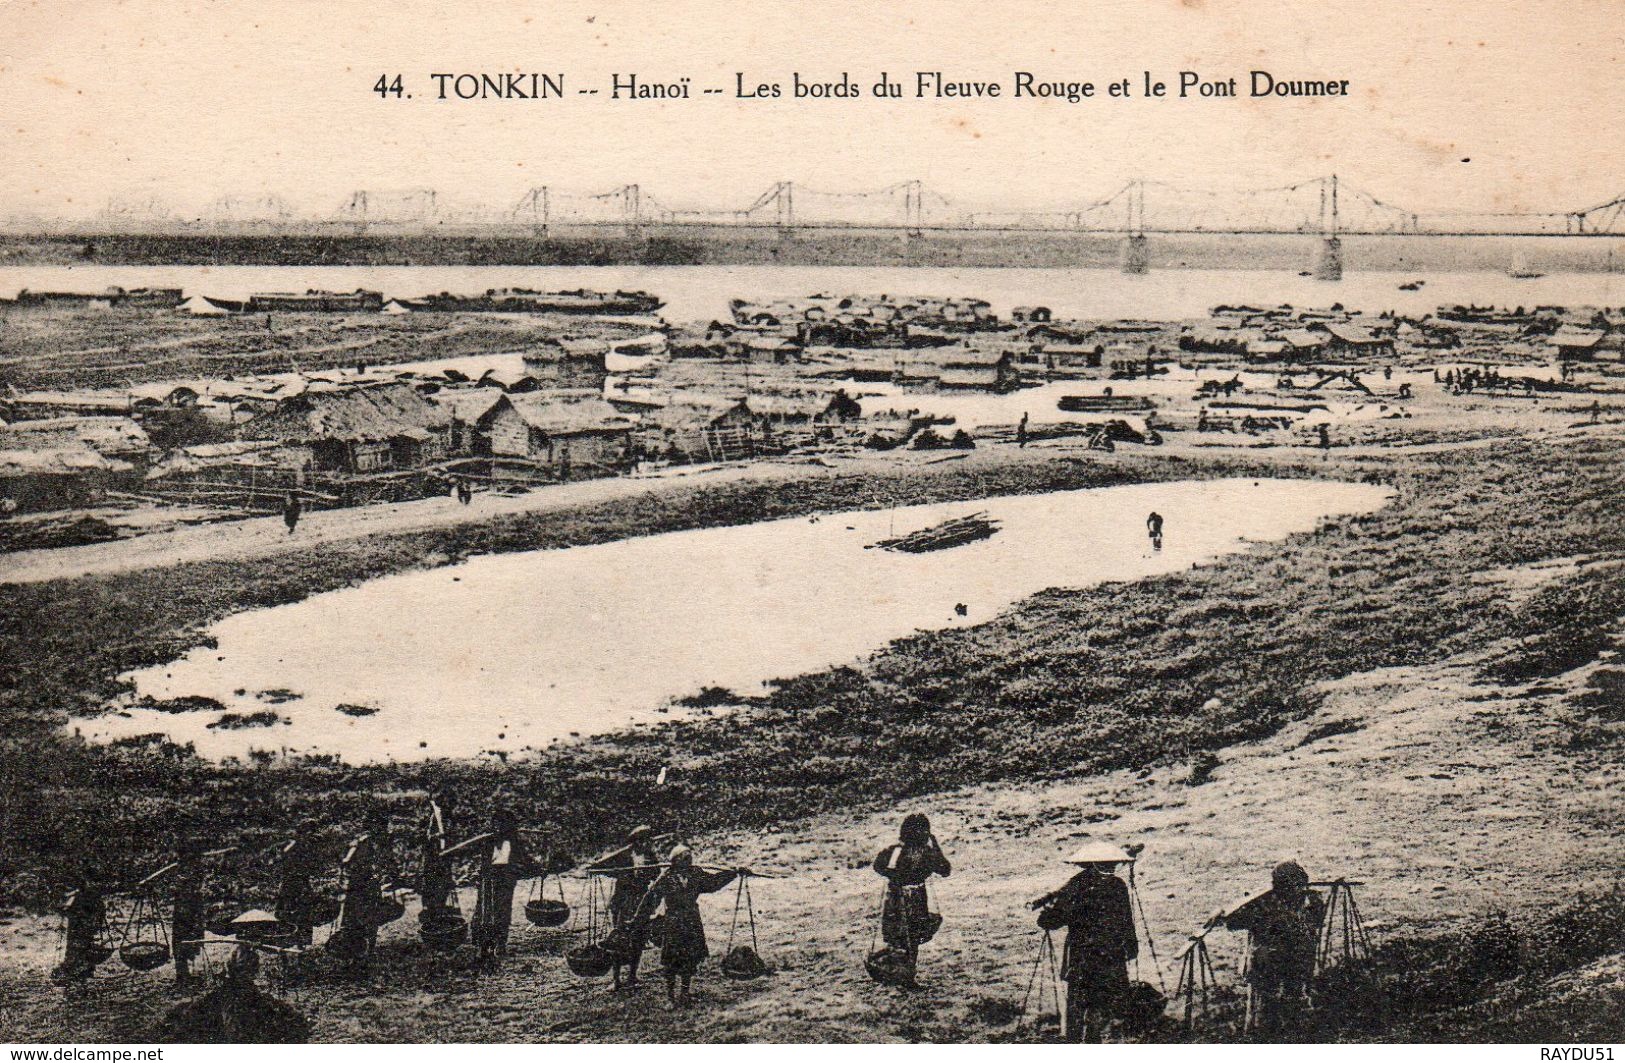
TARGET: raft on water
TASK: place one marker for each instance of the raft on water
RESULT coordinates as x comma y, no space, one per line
950,533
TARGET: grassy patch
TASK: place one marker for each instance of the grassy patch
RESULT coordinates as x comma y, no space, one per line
1065,682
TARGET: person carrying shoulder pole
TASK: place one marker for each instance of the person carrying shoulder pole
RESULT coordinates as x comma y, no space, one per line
906,866
296,897
632,868
679,888
1283,926
436,881
1095,910
186,922
504,860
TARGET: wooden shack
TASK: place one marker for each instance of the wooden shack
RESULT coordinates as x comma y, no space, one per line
692,427
560,438
362,429
568,362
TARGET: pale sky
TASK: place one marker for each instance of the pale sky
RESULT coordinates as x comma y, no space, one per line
191,101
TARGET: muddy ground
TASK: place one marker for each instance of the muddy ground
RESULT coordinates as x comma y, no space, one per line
1450,798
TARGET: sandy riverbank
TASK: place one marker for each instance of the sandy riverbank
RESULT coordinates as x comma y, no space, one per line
1383,622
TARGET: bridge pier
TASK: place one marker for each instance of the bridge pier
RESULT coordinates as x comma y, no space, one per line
1135,254
1329,260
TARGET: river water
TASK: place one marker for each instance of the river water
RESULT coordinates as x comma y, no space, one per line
515,651
697,293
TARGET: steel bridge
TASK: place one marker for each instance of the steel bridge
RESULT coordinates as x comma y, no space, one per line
1323,206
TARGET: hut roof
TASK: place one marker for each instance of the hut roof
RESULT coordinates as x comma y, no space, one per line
968,377
1356,335
466,404
962,357
373,412
1572,337
555,417
21,463
789,405
99,435
1302,338
689,413
768,343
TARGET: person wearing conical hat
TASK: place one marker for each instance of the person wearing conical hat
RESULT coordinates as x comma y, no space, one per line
1094,909
1283,927
679,888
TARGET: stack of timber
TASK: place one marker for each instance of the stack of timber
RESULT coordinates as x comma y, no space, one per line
948,534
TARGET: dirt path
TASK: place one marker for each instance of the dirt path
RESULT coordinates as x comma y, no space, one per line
1448,797
263,536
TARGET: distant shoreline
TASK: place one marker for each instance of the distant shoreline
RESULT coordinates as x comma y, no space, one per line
1396,253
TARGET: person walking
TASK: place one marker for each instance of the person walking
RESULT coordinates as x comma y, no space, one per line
363,871
435,881
291,509
1283,926
1094,909
296,897
679,888
1153,528
906,920
504,860
186,912
85,917
632,867
1021,431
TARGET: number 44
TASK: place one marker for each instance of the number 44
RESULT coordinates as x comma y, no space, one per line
388,87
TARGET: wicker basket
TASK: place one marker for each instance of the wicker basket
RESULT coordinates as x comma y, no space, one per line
347,943
547,912
443,931
144,955
887,968
742,964
589,961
